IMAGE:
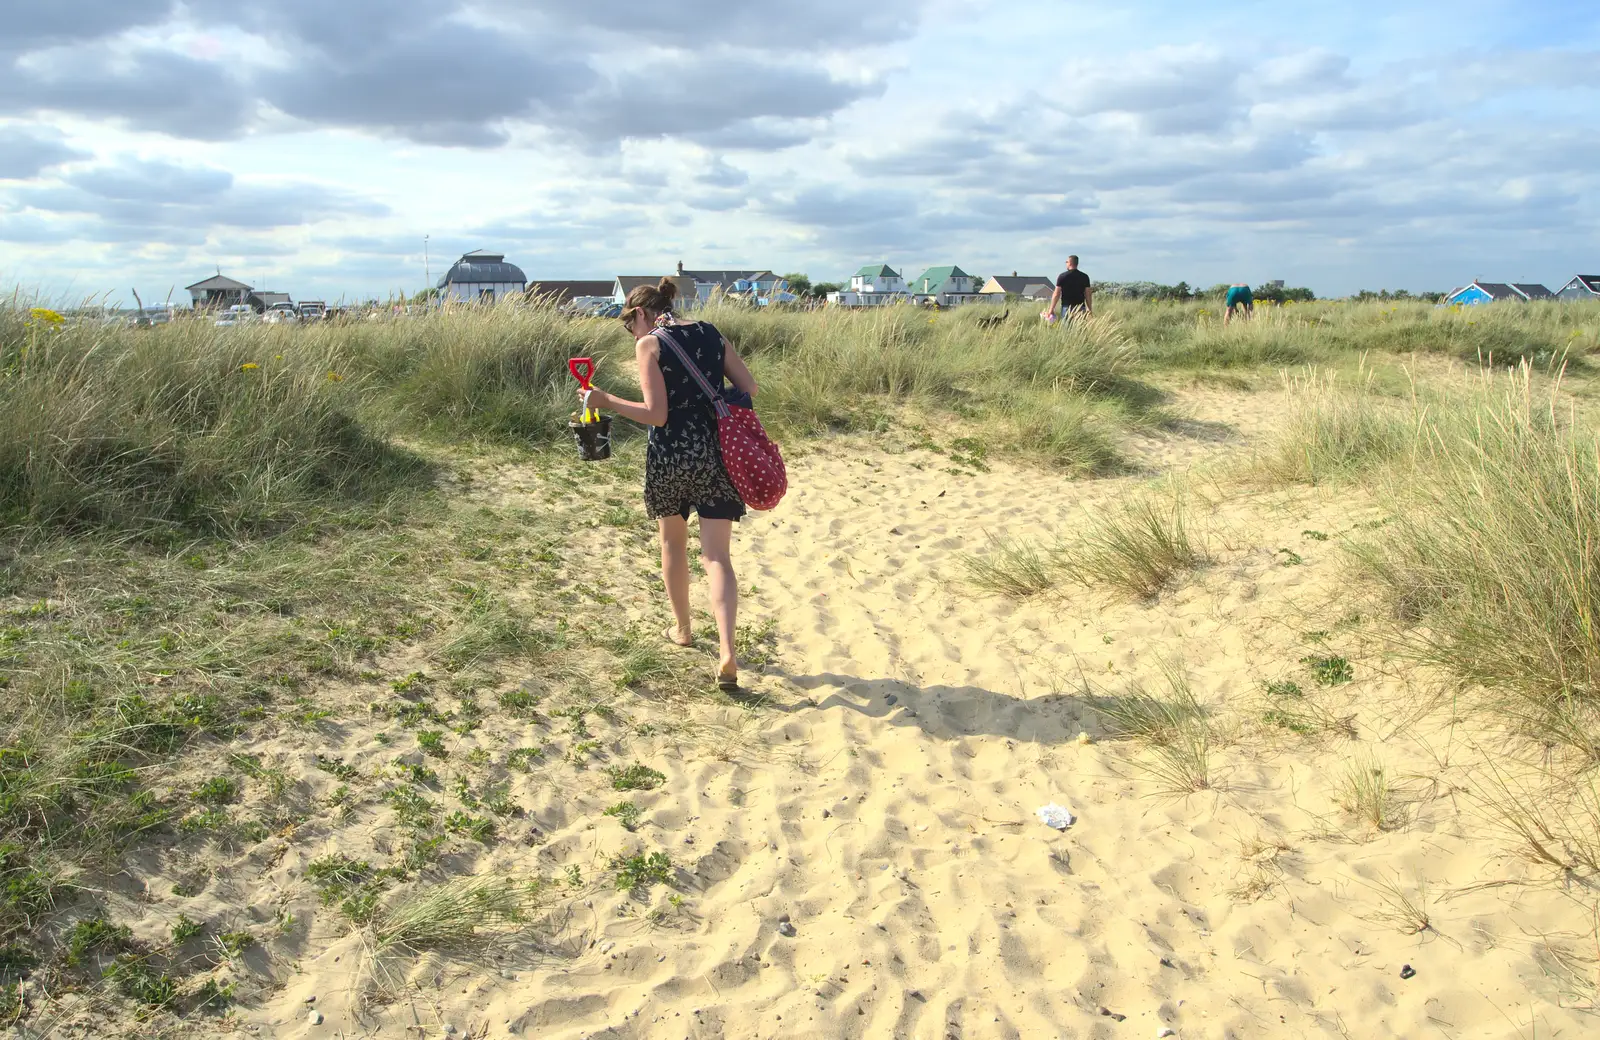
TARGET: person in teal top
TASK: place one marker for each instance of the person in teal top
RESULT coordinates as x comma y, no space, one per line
1240,300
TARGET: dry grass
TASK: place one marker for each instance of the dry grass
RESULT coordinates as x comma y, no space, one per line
1552,817
1366,793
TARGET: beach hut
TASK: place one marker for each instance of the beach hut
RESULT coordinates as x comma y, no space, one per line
1495,292
1583,287
482,276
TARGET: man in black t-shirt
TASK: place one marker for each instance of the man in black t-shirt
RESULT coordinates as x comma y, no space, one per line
1073,292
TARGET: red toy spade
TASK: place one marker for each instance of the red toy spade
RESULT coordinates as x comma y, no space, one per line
582,370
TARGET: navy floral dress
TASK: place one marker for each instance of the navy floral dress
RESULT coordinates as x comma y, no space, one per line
683,468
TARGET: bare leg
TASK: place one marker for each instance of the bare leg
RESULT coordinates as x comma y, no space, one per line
715,554
675,573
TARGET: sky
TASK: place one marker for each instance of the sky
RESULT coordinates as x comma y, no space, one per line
354,149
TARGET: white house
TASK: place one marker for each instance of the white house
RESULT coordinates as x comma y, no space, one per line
875,285
946,286
482,276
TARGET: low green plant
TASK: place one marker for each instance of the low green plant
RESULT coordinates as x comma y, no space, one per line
236,942
635,777
96,935
136,980
639,871
336,873
185,928
626,813
410,808
431,741
219,790
213,994
1329,670
522,703
337,767
1283,688
478,828
524,759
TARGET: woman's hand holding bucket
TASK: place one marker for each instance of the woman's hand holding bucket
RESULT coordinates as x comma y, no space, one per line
593,399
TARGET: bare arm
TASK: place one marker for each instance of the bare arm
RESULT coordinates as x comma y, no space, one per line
1055,299
1088,300
653,412
734,368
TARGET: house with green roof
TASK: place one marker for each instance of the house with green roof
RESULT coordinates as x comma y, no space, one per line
875,285
946,286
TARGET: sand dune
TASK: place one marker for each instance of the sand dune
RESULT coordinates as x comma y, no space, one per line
882,809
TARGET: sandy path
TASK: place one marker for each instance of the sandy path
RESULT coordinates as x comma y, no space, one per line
922,724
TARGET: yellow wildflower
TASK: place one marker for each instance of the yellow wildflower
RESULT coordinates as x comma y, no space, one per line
46,316
334,377
249,366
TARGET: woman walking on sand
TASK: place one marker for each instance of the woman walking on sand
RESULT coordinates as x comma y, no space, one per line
683,467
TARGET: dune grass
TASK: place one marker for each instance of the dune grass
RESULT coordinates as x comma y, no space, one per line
1137,549
1493,549
202,529
1336,431
1172,725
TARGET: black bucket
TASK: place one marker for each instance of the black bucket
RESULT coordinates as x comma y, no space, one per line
594,439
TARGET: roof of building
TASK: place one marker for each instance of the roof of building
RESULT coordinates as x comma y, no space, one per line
1533,290
267,299
934,277
1496,290
562,291
877,271
630,282
482,268
1017,284
725,279
218,281
1588,281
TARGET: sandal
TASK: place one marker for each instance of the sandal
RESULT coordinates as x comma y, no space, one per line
728,683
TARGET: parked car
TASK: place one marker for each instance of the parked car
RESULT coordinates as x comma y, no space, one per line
151,316
313,310
238,314
281,314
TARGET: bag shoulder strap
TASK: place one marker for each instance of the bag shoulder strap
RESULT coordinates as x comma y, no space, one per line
717,402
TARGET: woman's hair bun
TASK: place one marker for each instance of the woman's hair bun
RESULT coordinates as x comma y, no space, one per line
668,290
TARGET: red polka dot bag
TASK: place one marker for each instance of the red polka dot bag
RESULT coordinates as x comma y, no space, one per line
753,462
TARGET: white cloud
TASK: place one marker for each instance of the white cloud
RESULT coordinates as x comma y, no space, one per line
319,142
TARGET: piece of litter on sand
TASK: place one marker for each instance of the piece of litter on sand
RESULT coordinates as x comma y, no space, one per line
1056,816
1084,738
1168,1031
